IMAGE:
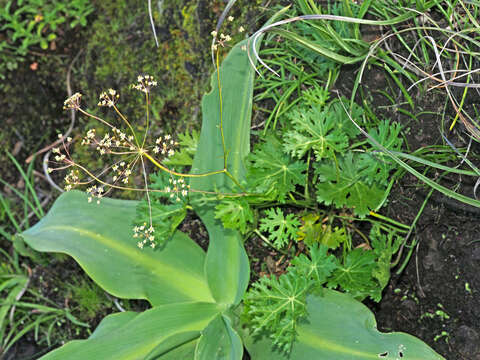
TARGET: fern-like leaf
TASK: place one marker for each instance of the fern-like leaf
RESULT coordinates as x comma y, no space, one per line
318,267
346,185
275,305
272,172
355,275
234,213
281,228
325,129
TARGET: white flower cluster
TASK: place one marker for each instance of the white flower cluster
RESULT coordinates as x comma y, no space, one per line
95,192
144,83
177,189
71,180
165,146
118,141
73,102
123,171
108,99
145,234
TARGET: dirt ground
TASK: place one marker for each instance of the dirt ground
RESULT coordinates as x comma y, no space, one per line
437,296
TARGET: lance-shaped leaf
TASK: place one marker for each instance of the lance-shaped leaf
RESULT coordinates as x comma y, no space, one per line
341,328
225,133
219,341
130,336
99,238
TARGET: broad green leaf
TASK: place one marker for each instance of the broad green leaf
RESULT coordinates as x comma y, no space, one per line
129,337
112,322
219,341
341,328
224,256
99,238
185,351
226,268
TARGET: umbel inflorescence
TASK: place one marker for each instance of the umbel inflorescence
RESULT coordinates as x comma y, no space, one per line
124,153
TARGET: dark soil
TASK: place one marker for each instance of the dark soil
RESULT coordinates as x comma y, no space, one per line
437,296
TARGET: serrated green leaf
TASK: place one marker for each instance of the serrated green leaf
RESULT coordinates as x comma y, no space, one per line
235,214
318,267
312,232
165,218
346,186
314,129
272,172
384,246
274,306
324,129
281,229
355,275
380,166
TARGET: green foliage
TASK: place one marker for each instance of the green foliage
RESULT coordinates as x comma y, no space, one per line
194,295
272,172
384,246
324,129
188,147
344,184
275,305
318,267
355,275
235,214
23,310
389,135
312,232
282,229
90,299
33,23
341,328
